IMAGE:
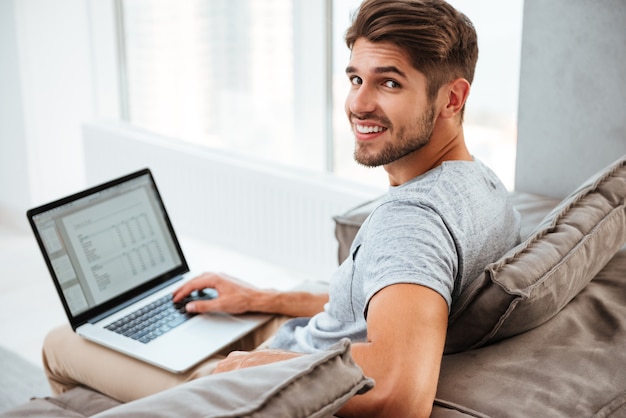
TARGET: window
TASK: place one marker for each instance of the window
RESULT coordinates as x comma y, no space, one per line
253,77
218,73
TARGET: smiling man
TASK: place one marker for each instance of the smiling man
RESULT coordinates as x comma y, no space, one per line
444,218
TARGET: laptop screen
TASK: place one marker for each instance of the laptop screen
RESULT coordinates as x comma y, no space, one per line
107,241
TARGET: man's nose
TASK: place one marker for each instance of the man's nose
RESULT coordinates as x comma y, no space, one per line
362,100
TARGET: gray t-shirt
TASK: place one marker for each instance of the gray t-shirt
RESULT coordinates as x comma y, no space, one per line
438,230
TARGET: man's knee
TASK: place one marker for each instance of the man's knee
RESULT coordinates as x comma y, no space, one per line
55,339
54,344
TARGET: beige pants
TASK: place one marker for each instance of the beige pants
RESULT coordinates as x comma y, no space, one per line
70,360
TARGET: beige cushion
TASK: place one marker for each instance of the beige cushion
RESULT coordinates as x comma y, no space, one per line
78,402
535,280
315,385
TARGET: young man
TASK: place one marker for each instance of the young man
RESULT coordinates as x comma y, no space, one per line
444,218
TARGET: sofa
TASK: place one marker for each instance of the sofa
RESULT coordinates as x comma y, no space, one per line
540,333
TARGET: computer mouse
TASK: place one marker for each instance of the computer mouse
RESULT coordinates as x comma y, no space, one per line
202,294
207,293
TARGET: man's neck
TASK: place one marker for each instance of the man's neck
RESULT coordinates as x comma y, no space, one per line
435,153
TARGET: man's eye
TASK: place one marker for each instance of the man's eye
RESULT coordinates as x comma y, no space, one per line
356,80
391,84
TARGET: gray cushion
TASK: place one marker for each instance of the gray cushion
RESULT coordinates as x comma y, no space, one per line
571,366
535,280
348,224
315,385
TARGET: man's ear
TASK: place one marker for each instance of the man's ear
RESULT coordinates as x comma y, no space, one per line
456,92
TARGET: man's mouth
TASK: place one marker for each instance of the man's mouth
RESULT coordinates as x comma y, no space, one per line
369,129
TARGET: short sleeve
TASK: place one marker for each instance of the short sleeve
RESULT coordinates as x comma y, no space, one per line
407,244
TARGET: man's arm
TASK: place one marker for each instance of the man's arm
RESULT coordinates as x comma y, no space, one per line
235,297
406,325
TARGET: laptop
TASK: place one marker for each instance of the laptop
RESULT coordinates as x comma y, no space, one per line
115,260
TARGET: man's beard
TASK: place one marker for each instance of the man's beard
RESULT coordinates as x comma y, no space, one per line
408,140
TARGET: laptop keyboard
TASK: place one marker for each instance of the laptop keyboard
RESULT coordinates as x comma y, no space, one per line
151,321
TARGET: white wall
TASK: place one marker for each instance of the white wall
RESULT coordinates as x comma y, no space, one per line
14,179
572,89
45,79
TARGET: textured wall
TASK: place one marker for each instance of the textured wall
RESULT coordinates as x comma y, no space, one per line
572,118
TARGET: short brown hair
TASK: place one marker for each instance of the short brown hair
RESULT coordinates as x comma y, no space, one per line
440,41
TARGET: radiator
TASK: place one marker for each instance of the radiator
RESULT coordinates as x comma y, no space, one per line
277,214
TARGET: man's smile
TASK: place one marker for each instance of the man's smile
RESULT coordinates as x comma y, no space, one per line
368,129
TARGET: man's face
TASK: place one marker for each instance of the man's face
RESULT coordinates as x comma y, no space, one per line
387,105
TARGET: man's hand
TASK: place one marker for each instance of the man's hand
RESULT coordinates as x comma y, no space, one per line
234,296
242,359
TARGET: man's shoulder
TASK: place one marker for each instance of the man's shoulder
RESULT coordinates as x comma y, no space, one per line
447,183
